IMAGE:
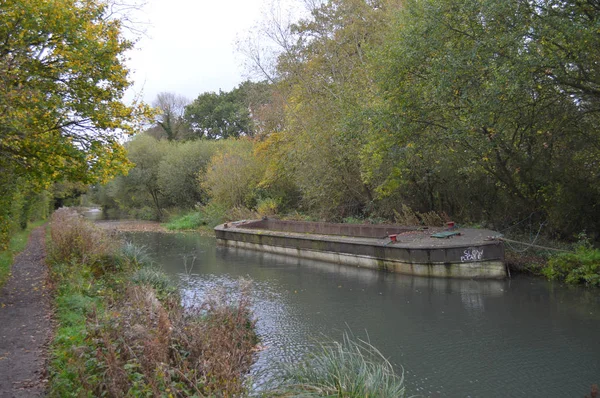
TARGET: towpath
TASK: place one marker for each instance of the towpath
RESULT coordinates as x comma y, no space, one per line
25,322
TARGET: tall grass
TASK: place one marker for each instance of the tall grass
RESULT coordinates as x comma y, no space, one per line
122,329
74,239
351,369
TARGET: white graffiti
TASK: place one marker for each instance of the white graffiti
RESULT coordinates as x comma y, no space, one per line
472,254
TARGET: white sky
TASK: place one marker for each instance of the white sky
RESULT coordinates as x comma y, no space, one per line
190,46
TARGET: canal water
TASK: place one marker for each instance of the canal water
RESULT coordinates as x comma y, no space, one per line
523,337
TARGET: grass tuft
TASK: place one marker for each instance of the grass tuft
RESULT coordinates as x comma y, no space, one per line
350,369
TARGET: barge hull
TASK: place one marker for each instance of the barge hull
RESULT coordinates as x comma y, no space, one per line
434,258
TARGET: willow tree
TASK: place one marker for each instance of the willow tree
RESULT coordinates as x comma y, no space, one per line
62,81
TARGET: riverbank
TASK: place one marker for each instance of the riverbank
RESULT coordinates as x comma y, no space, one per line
121,327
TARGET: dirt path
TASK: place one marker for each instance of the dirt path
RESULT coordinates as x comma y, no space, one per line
25,323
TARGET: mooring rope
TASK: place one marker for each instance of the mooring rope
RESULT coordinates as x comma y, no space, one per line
530,245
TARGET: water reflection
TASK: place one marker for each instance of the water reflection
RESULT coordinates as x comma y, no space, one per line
523,337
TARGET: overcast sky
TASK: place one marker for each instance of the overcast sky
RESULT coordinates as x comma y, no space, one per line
189,47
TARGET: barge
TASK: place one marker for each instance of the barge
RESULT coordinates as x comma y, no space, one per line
435,252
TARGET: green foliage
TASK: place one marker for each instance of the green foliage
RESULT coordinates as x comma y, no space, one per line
210,216
165,175
225,114
582,266
267,207
179,170
233,175
20,203
63,80
353,369
63,67
473,112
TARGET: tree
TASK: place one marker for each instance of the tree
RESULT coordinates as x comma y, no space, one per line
170,120
324,75
141,186
233,175
62,80
179,170
226,114
480,95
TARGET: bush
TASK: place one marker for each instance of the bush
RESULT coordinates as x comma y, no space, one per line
582,266
146,349
267,207
233,175
75,239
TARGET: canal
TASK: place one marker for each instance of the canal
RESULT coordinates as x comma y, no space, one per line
453,338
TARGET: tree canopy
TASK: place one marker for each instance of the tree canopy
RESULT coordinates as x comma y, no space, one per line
227,113
62,81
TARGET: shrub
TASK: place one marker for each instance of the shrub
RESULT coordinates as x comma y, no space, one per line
217,341
233,175
582,266
267,207
122,334
75,239
347,369
146,349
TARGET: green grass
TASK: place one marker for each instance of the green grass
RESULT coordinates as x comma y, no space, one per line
208,216
351,369
16,245
187,221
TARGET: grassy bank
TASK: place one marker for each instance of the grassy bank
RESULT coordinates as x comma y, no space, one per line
16,245
123,332
207,217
